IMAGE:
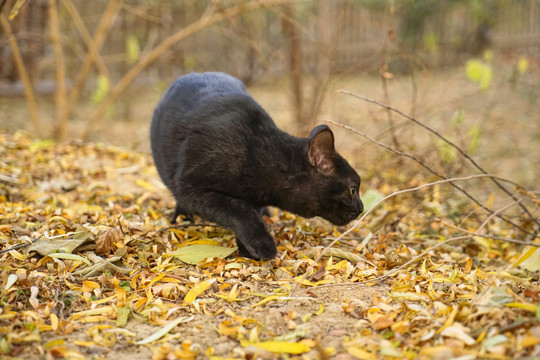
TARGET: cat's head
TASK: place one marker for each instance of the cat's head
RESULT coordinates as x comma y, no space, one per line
333,191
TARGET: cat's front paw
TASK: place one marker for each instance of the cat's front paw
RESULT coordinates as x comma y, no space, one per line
261,247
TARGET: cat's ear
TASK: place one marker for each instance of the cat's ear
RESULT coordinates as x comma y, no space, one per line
321,149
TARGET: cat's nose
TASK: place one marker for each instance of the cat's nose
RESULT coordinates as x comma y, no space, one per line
360,207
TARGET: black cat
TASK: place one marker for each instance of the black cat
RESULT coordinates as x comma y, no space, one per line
224,159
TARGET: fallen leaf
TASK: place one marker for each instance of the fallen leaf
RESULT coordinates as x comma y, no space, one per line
105,243
280,346
193,254
164,330
198,290
458,331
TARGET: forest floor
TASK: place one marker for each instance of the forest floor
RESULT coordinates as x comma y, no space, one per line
90,269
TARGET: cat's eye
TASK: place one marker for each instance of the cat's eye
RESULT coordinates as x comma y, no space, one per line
353,191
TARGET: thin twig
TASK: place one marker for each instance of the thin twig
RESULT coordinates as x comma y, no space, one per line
424,165
424,253
14,247
23,73
93,51
60,70
357,222
203,22
436,133
100,34
183,225
488,236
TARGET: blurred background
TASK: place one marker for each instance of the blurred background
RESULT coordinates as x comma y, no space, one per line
94,70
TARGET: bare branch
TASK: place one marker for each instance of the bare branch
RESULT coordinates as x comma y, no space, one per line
205,21
60,70
488,236
436,133
357,222
424,165
99,37
23,73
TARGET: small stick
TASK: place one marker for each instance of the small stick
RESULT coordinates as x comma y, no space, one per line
185,226
424,165
436,133
355,225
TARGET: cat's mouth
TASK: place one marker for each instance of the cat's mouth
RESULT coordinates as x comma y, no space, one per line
344,220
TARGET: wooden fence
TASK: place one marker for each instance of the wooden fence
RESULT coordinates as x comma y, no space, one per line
342,35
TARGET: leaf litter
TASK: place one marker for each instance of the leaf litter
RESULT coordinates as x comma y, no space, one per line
88,272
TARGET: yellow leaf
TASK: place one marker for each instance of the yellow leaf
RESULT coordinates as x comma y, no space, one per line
280,346
267,299
54,321
198,290
304,281
97,311
19,256
530,259
423,269
156,279
54,343
522,65
359,353
144,184
89,286
227,329
450,319
233,293
528,307
529,341
84,343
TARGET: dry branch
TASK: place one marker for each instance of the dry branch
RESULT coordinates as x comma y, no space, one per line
93,52
436,133
205,21
424,165
23,73
424,253
60,72
355,225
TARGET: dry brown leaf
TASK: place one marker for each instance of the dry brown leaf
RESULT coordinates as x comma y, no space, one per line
105,243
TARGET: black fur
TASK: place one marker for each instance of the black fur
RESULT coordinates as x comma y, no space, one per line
224,159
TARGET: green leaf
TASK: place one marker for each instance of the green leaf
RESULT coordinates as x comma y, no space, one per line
457,118
70,257
446,152
474,69
370,198
122,316
431,42
480,72
102,89
133,48
41,144
5,348
474,134
193,254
